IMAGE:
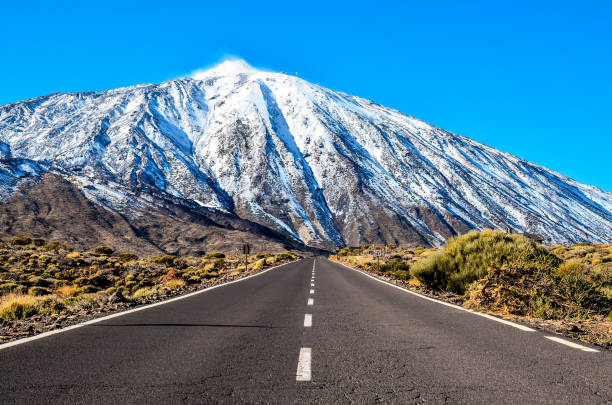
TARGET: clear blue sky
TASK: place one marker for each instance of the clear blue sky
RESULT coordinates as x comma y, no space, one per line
532,78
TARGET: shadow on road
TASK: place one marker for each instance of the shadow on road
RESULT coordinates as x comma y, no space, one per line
191,324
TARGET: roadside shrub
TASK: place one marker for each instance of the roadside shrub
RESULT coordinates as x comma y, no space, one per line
143,292
49,305
38,242
433,272
104,250
17,306
466,259
37,291
259,264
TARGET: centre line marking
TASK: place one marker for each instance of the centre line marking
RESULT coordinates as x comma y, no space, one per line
303,367
310,301
307,320
312,284
571,344
312,291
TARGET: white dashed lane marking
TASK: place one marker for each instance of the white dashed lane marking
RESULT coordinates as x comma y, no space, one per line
307,320
312,291
310,301
303,367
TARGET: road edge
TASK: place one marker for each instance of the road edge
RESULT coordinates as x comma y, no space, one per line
583,346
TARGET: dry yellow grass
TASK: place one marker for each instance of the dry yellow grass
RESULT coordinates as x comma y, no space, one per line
174,283
17,306
67,291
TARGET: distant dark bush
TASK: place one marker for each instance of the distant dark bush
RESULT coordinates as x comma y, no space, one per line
343,252
7,287
396,264
216,255
21,240
167,260
38,242
126,257
104,250
284,256
36,291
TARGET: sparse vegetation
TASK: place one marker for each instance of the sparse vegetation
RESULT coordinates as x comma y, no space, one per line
39,278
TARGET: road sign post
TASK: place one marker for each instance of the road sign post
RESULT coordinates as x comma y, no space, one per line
378,252
246,249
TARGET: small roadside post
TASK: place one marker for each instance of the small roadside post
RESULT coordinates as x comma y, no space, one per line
246,250
378,251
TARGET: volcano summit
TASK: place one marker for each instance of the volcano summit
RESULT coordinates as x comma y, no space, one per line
235,153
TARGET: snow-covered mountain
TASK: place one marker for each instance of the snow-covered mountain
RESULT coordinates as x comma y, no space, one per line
317,165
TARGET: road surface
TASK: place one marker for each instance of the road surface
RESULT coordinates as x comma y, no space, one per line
288,336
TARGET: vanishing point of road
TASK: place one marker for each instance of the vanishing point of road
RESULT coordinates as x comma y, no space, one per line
312,331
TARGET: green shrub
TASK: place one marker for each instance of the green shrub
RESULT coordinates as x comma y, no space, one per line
466,259
259,264
103,250
50,305
143,292
38,242
434,270
16,306
37,291
216,255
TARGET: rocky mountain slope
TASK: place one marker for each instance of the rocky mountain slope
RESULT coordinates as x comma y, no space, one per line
313,165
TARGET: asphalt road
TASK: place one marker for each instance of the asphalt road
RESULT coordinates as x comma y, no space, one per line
247,342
